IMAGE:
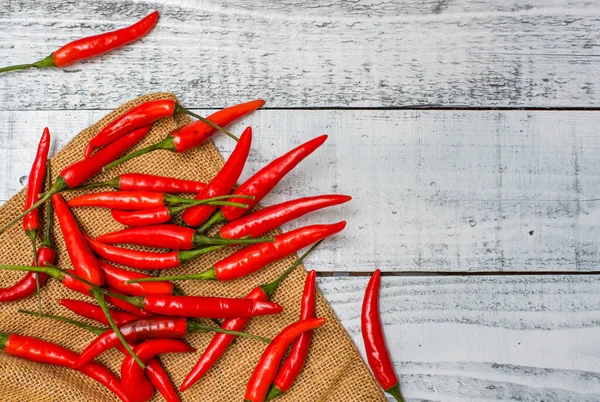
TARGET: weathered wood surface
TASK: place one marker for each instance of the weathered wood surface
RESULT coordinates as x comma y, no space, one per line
537,53
433,190
484,338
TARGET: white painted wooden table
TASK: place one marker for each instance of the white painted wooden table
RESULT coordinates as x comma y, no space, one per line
467,132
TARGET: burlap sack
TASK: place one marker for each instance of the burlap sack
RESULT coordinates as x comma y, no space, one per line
334,370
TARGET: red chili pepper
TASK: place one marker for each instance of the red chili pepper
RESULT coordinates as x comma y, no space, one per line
135,384
155,327
93,312
221,342
372,332
264,180
271,217
141,115
31,221
223,182
92,46
170,236
253,258
39,351
150,182
265,370
197,132
78,172
85,263
295,360
117,278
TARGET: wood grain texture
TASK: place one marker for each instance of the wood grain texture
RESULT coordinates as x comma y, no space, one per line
526,338
536,53
433,190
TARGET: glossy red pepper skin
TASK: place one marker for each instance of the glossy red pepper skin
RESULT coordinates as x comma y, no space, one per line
36,350
77,173
167,236
372,332
198,132
94,312
35,183
142,218
123,200
141,115
85,263
253,258
27,286
159,184
93,46
266,369
223,182
295,360
266,178
116,278
269,218
134,382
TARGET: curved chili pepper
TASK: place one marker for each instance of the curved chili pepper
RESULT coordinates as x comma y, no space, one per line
223,182
155,327
170,236
92,46
253,258
39,351
261,182
375,348
85,263
266,369
196,133
135,384
117,278
78,172
93,312
146,217
221,342
150,182
295,360
271,217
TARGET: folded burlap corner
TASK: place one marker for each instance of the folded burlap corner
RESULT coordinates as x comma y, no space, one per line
334,370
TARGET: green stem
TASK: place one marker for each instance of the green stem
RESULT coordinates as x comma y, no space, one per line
16,67
201,240
274,392
167,144
175,210
188,255
3,340
209,274
99,296
395,392
46,62
95,330
193,326
215,219
269,288
173,200
181,109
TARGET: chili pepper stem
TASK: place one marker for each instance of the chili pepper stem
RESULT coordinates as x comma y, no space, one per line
214,220
202,240
172,200
46,62
181,109
395,392
95,330
59,185
209,274
274,392
193,326
167,144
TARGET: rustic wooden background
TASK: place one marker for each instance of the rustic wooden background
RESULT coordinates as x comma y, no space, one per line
467,132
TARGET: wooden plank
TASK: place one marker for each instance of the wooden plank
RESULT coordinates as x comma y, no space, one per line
484,338
433,190
537,53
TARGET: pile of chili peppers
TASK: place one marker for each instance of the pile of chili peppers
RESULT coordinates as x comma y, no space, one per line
150,315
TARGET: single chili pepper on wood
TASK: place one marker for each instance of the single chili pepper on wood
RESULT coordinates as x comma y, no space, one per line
375,348
149,182
149,328
266,369
170,236
253,258
93,312
263,181
117,278
295,360
221,342
92,46
141,115
195,133
78,172
272,217
135,384
223,182
36,350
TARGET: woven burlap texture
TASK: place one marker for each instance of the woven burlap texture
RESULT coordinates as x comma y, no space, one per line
334,370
